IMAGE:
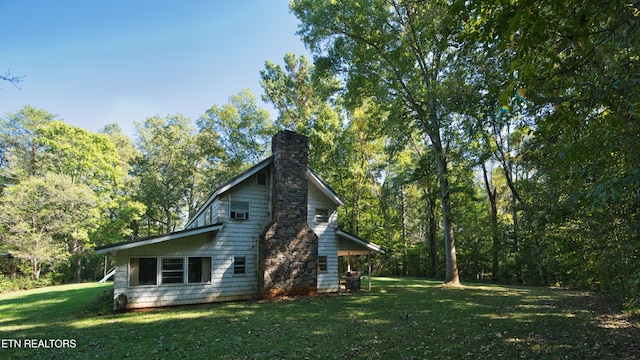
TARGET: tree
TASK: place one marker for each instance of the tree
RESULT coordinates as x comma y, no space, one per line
577,63
168,162
306,103
397,53
122,211
22,153
92,160
242,129
291,91
37,215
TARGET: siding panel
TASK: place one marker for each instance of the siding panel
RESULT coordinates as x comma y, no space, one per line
327,241
236,238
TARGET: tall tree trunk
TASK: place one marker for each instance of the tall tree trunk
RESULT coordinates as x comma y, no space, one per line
492,195
451,270
405,251
35,268
541,270
167,212
76,249
433,252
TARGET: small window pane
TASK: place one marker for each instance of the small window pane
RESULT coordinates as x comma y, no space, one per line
239,265
207,216
143,271
322,216
199,270
172,271
262,179
322,263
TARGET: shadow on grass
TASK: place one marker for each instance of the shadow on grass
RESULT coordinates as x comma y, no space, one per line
400,318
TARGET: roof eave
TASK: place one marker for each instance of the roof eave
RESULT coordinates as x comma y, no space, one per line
229,185
316,180
157,239
368,245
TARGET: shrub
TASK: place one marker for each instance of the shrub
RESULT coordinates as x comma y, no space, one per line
23,283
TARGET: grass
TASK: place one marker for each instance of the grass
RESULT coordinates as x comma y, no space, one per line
399,319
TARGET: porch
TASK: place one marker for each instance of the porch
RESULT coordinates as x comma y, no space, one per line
349,247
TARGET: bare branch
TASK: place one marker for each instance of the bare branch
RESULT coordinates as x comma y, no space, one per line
14,80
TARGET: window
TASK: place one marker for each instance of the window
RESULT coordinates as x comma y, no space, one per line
207,216
143,271
322,263
239,210
239,265
199,270
172,271
322,216
262,179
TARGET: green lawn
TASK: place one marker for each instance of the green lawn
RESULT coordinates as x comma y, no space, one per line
398,319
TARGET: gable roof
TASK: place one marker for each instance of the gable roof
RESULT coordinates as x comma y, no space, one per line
229,185
324,188
158,239
312,177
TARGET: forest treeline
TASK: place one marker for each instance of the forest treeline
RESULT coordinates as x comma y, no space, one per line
470,139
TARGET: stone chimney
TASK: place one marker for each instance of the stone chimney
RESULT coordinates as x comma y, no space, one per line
288,248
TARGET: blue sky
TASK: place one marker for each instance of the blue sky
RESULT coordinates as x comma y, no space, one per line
98,62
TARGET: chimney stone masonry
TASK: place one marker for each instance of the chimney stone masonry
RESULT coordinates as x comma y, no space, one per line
288,248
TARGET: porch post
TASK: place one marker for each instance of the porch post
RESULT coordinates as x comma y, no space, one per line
369,261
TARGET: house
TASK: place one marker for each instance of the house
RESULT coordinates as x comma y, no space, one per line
270,231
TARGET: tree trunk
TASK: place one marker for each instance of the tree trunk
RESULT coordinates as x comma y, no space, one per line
76,250
492,195
433,252
167,212
35,268
451,271
405,251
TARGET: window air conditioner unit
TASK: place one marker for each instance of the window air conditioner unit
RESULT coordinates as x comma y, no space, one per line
240,215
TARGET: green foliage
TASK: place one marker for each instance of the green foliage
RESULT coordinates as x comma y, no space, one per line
514,123
101,305
86,157
38,148
244,130
166,169
400,54
23,283
20,144
307,103
582,201
39,214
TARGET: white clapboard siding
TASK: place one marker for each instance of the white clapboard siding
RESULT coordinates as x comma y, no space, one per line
327,243
237,238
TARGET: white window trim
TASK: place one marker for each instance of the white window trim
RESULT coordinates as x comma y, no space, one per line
233,265
161,262
320,218
187,271
326,263
158,269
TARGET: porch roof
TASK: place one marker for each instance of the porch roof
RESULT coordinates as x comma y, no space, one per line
350,244
158,239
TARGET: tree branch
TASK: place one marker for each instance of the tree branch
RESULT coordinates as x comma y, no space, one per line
14,80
